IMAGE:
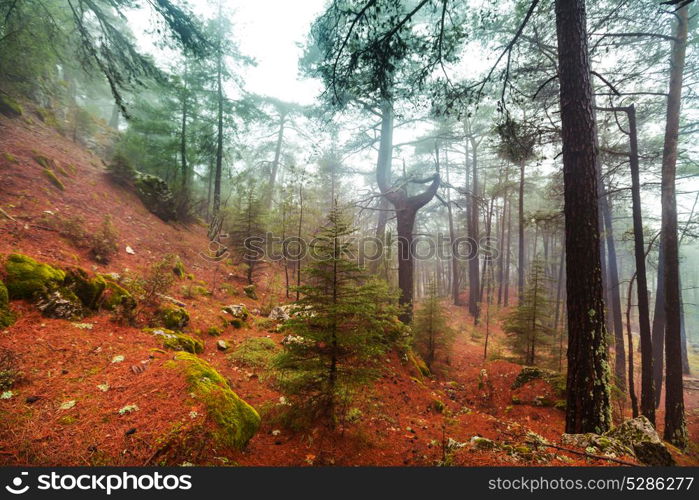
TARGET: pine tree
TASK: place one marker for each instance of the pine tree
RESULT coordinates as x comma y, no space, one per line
247,231
432,336
344,322
528,326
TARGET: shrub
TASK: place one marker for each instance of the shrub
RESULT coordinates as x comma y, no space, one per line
121,171
105,240
71,227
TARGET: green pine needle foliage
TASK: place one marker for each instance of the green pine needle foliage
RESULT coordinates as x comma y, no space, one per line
528,327
433,338
346,321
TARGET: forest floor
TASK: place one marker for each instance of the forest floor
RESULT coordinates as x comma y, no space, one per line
403,419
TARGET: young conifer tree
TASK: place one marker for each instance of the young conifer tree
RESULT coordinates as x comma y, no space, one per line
247,231
528,326
344,321
432,336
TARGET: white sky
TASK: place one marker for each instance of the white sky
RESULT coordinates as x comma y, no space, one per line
271,32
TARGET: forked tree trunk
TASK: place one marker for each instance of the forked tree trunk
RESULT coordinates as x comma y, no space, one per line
406,208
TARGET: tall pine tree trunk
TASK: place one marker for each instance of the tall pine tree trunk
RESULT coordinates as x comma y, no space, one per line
675,427
588,399
275,163
473,263
520,260
219,140
613,294
658,335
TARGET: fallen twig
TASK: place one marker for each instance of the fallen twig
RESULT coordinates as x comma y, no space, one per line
582,453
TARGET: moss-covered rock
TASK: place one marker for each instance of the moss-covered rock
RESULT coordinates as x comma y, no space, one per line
214,331
529,373
53,179
178,268
28,279
60,304
10,107
438,406
156,195
595,443
640,435
249,291
177,341
236,421
481,443
6,316
89,290
238,311
173,317
115,296
418,363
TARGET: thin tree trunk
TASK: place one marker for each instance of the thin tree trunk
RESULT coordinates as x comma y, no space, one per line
647,389
452,238
219,141
658,337
675,430
474,264
275,163
520,259
508,257
183,135
613,293
632,389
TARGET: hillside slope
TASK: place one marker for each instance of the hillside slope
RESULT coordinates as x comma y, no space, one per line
107,394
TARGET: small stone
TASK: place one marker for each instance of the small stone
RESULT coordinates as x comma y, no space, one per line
103,387
118,358
68,405
130,251
128,409
221,345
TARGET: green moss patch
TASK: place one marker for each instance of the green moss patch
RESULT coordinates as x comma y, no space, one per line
27,278
89,290
236,421
53,179
173,317
115,296
177,341
255,352
418,364
6,316
10,107
529,373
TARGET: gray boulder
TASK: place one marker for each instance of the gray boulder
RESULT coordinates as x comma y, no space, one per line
638,434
